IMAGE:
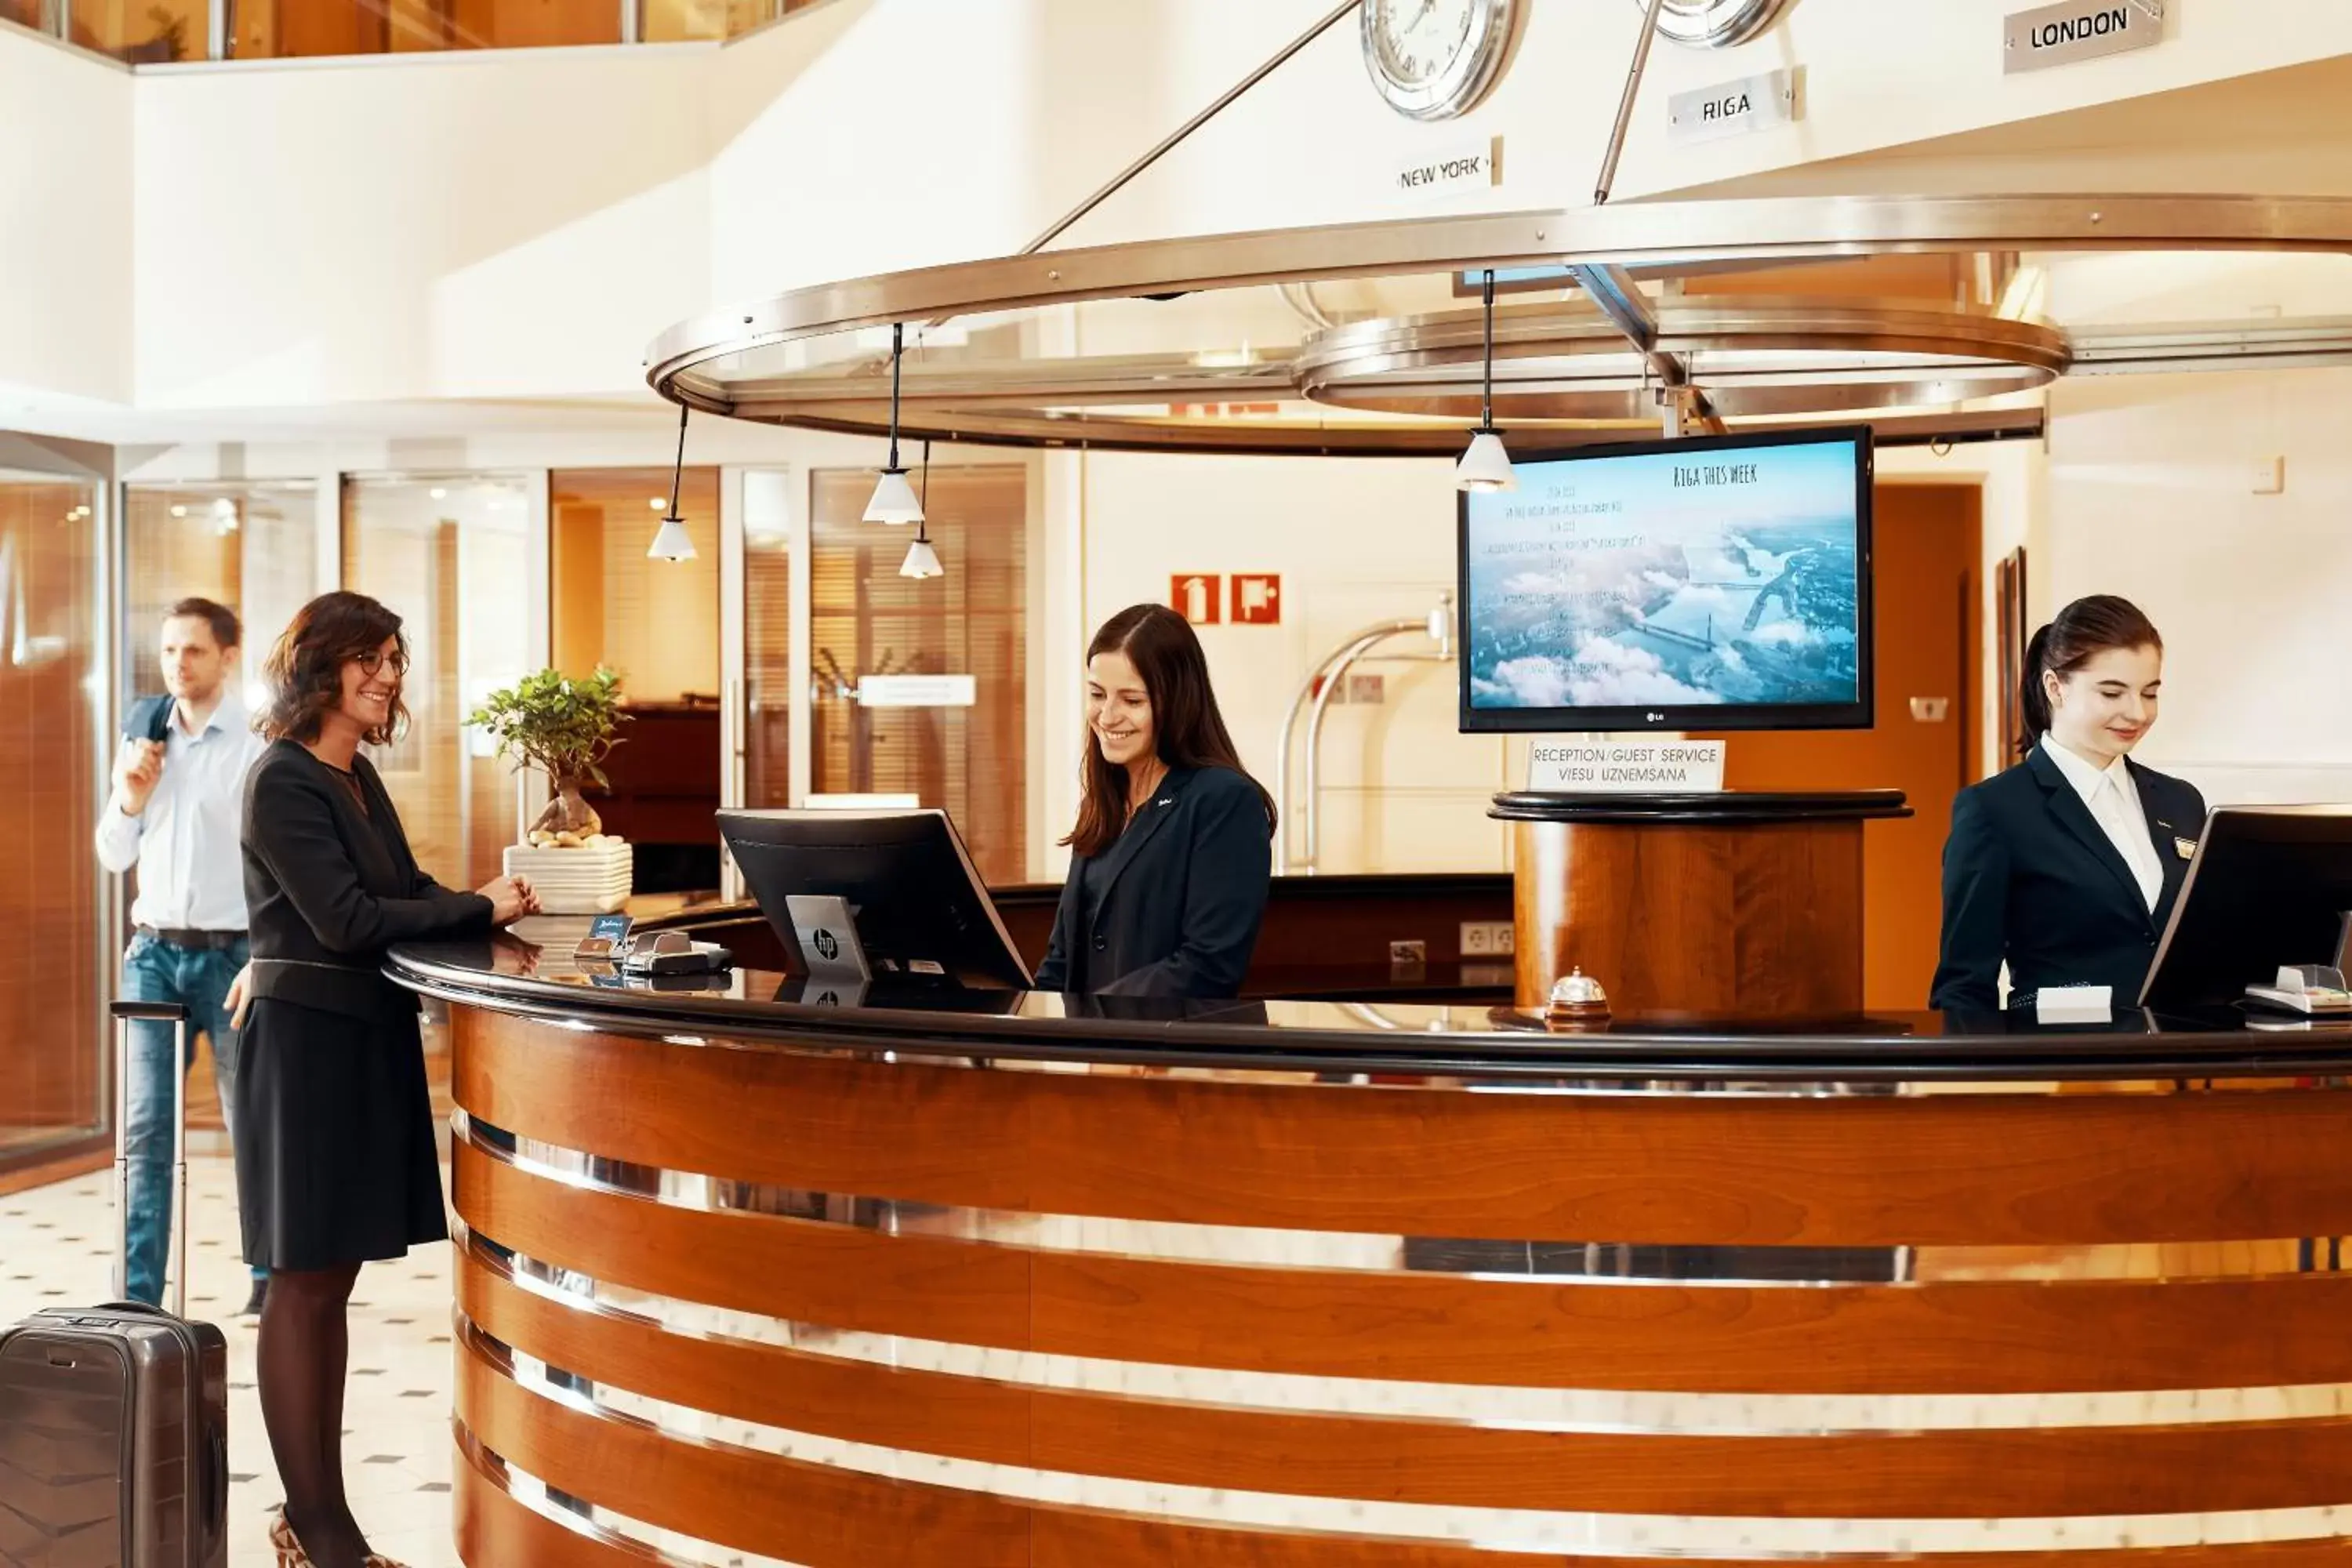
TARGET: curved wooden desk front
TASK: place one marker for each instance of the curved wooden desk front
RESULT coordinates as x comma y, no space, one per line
744,1280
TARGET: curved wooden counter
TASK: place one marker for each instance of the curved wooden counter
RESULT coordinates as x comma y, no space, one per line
1308,1284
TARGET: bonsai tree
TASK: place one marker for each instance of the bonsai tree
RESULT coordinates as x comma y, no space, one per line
566,728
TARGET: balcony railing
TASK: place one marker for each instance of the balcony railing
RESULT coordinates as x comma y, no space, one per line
162,32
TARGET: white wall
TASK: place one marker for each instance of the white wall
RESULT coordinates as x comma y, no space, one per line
1358,541
65,226
473,225
521,223
2151,495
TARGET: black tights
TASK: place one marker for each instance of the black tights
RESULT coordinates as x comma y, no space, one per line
304,1352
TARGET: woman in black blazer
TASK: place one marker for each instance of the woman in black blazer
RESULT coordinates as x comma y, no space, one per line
1174,842
2066,865
335,1158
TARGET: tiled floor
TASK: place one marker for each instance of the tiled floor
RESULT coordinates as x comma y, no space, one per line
56,1249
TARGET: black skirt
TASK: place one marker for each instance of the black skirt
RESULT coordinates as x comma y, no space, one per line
335,1161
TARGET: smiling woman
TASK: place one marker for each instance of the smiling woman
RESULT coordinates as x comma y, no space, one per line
1172,847
2066,865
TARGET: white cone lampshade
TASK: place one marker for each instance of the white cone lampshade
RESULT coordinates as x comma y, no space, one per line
921,561
1485,465
671,542
894,500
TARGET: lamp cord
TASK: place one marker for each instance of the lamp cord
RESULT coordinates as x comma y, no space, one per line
1486,376
897,335
923,498
677,469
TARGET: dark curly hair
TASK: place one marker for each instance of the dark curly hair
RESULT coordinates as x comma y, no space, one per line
305,670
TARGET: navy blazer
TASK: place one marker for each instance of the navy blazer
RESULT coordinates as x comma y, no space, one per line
1187,893
2030,877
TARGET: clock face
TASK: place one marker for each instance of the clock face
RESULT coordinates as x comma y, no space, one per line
1431,59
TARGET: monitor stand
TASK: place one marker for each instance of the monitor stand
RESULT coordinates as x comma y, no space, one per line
826,930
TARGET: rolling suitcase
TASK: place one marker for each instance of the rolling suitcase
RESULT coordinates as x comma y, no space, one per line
114,1419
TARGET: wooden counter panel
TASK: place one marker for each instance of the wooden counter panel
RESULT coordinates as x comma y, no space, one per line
494,1531
1989,1337
1935,1170
808,1513
1946,1474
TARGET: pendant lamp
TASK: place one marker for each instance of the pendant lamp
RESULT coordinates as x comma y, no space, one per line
893,499
922,561
1485,465
671,542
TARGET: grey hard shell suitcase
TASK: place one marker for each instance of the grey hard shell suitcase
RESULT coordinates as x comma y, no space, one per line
114,1419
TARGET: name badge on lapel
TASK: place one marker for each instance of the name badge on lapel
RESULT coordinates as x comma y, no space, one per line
2185,847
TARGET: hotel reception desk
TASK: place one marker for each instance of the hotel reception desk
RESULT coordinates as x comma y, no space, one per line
1017,1280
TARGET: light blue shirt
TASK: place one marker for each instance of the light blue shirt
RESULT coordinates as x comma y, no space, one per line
186,843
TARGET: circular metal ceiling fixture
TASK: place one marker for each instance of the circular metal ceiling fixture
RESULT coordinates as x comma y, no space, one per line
1751,358
1718,24
1226,365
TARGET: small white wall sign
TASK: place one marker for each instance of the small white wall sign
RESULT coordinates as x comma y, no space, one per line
1625,767
2078,30
918,691
1733,108
1452,170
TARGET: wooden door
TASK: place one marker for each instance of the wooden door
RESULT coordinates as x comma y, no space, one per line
1926,565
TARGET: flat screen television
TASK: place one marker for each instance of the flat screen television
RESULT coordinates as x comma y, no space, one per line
1721,583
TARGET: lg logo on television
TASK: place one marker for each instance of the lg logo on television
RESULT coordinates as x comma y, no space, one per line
1655,718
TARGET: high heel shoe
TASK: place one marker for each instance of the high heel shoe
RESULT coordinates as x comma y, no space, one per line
281,1541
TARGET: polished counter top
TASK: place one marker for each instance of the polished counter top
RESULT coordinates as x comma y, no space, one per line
1481,1042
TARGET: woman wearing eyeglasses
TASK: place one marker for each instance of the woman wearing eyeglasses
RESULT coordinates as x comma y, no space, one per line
334,1126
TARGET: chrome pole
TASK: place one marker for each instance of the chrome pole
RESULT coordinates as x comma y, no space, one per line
1625,103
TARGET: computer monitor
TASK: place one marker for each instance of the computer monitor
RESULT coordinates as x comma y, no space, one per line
2269,885
918,905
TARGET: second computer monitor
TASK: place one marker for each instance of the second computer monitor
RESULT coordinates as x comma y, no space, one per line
2269,888
919,904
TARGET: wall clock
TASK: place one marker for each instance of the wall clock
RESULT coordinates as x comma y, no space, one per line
1433,59
1718,24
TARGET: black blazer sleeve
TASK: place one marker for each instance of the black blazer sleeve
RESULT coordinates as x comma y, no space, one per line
1976,909
1229,871
1053,973
301,849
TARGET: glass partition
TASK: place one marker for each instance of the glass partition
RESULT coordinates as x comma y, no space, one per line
253,547
451,555
767,638
656,621
958,745
51,1038
676,21
262,29
143,32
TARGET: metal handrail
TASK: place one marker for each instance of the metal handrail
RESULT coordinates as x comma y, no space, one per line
1438,624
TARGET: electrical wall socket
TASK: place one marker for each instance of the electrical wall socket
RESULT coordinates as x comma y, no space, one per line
2269,476
1488,939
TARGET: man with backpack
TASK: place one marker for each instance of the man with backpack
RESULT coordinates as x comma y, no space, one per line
176,814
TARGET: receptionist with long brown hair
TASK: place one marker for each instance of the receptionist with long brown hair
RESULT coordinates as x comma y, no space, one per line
1173,853
2065,866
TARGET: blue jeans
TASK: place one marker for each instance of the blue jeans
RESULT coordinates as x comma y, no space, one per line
199,978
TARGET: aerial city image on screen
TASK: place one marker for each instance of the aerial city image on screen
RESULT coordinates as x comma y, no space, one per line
1650,579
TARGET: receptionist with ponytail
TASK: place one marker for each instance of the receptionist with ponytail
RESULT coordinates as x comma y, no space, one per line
1173,847
2066,865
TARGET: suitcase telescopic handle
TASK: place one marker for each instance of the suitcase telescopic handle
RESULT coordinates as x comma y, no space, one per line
158,1012
126,1013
